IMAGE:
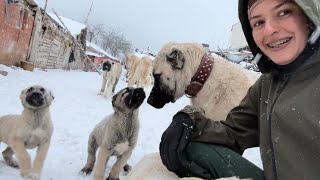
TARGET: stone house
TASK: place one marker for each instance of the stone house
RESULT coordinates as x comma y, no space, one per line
29,34
52,46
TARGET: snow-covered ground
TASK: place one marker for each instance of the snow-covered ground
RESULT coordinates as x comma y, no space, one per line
77,108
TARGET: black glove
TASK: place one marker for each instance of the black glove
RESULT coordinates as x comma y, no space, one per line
174,140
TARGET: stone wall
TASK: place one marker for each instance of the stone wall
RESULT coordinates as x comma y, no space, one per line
16,23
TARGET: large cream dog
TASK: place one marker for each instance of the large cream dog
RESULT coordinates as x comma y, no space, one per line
110,77
174,68
116,134
32,128
139,70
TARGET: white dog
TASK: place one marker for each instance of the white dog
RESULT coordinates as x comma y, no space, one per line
110,77
139,70
32,128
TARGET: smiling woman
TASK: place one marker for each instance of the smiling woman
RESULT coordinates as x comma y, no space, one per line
279,28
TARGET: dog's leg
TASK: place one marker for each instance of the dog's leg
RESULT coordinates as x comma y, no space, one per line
7,156
115,84
103,86
103,158
92,149
121,162
109,87
39,159
23,157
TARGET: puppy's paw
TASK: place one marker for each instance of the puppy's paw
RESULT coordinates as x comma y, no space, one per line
85,171
12,163
127,168
32,176
100,93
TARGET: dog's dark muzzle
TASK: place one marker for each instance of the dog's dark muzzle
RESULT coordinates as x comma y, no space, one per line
137,98
158,98
35,99
106,66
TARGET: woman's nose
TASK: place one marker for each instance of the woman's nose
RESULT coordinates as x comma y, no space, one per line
271,27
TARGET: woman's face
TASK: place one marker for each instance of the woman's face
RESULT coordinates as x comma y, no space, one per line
279,28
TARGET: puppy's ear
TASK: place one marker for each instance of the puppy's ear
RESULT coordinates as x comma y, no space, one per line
52,96
22,94
176,59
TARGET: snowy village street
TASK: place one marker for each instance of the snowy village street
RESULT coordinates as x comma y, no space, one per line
75,111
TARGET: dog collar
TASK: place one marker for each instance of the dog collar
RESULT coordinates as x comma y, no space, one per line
200,77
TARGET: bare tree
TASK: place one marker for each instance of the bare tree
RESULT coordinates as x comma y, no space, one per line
95,31
116,43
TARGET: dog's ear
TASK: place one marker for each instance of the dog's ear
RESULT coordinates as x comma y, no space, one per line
176,59
52,96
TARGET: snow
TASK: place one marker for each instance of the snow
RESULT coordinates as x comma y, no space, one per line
77,108
73,26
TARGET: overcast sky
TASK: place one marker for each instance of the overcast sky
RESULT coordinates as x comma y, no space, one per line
154,22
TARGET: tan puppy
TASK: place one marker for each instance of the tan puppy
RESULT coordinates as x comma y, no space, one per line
33,128
116,134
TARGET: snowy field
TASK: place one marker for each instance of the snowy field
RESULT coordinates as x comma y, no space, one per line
77,108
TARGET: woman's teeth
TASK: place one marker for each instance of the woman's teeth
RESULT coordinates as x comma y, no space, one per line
278,43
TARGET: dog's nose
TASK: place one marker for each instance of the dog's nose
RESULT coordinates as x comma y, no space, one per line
36,94
139,92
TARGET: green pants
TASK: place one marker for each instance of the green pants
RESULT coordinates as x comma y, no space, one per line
211,161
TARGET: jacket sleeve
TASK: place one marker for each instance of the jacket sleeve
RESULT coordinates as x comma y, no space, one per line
239,131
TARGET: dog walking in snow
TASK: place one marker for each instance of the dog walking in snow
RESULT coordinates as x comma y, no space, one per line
116,134
32,128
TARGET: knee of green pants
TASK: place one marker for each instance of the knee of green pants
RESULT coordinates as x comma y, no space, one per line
212,161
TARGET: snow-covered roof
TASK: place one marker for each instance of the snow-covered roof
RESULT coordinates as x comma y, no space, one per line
73,26
99,49
93,54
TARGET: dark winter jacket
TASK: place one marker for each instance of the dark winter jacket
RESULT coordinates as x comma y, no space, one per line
280,113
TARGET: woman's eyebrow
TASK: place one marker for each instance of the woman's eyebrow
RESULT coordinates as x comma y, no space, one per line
274,8
281,4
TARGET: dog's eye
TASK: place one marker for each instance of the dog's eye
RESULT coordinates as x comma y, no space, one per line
30,89
42,90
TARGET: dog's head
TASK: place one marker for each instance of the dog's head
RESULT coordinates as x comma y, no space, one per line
36,97
172,72
106,65
128,98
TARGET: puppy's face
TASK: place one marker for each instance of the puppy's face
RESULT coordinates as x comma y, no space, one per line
128,99
36,97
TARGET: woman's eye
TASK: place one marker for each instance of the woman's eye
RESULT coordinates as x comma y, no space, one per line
285,12
257,23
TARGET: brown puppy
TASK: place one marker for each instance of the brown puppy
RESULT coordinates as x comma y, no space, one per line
32,128
116,134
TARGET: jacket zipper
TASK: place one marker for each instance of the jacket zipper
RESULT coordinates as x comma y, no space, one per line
282,87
